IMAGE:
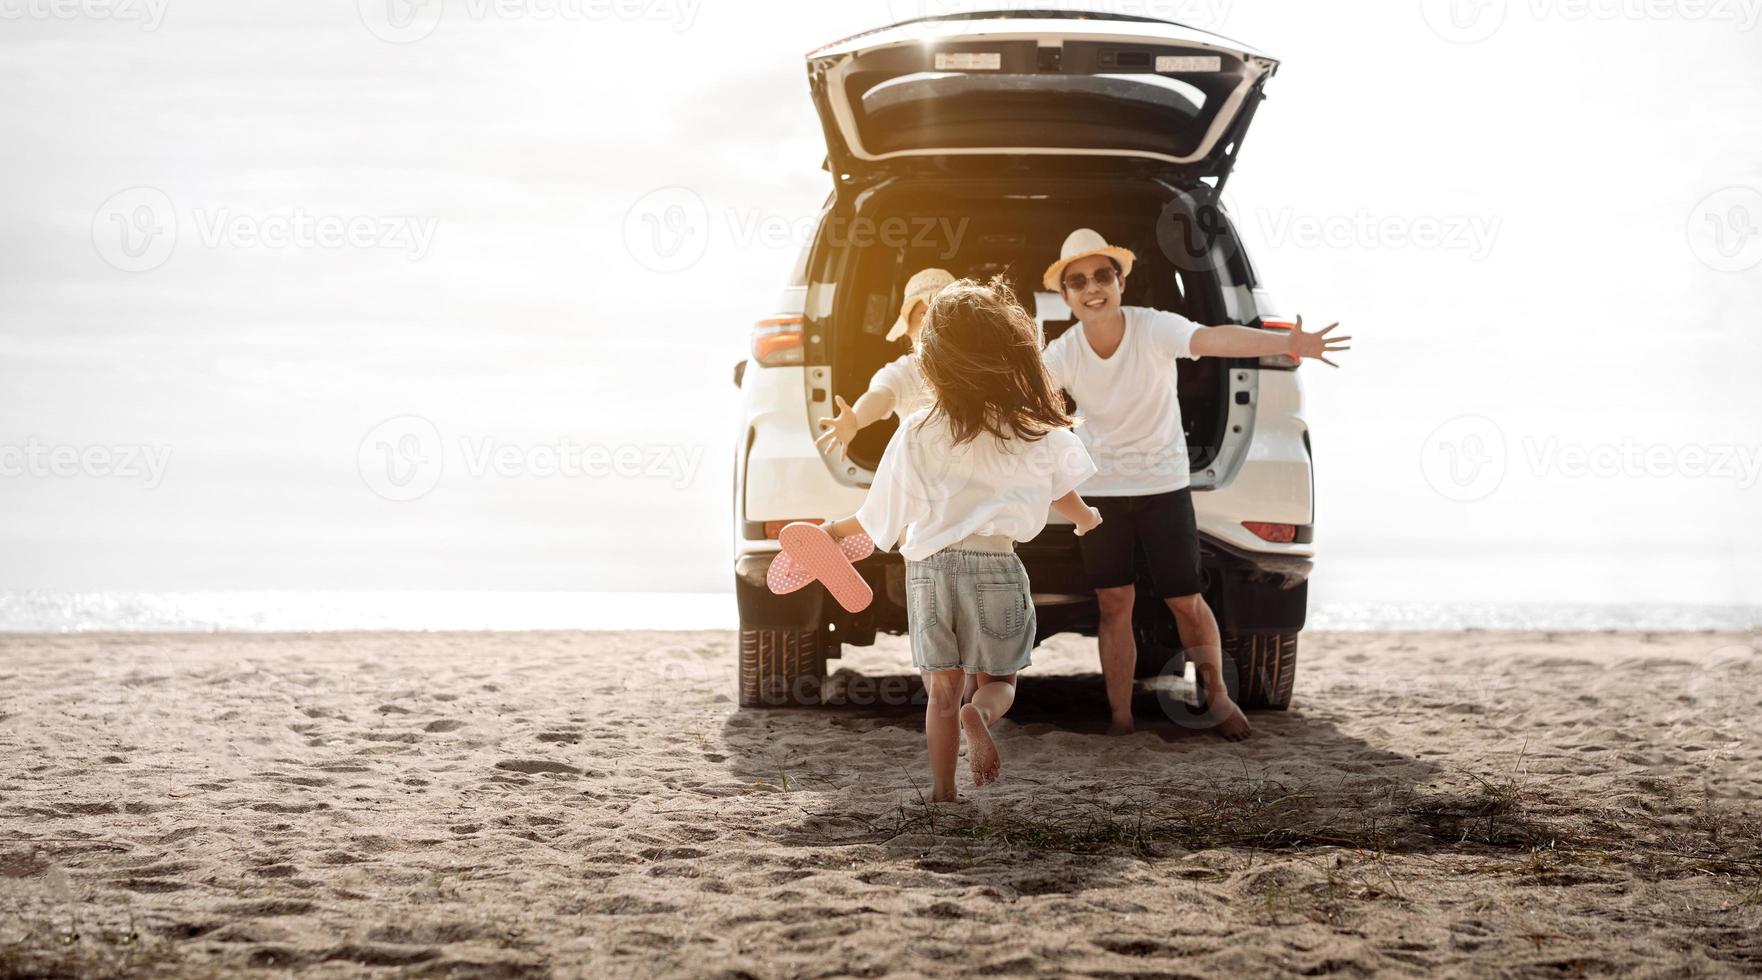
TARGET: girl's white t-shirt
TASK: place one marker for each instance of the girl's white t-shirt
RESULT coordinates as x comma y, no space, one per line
901,377
935,493
1130,410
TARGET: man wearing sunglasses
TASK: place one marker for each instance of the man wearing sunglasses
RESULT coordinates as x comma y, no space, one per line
1118,362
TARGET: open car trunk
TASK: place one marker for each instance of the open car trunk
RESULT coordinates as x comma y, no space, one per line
1038,89
979,228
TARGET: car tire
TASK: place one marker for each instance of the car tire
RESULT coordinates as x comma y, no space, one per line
1266,668
781,668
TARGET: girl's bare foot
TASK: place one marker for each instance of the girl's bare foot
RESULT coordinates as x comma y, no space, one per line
981,750
1121,726
1232,723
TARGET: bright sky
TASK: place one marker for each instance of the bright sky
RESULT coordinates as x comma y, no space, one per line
1596,173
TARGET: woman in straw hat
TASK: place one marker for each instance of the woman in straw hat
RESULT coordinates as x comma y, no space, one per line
899,386
1118,362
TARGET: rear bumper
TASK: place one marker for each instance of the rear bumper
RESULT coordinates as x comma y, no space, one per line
1248,592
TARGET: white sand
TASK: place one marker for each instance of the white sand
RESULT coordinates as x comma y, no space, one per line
593,804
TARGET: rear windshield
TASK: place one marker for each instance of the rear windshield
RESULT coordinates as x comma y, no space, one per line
1011,93
935,110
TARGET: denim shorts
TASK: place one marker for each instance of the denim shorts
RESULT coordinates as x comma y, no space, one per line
970,610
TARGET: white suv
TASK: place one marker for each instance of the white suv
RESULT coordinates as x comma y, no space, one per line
975,143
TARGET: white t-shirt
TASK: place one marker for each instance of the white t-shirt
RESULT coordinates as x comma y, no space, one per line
901,377
935,493
1131,416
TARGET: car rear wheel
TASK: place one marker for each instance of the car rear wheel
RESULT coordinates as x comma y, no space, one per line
780,668
1266,668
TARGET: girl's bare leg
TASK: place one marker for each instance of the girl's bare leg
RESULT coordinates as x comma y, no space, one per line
992,699
942,730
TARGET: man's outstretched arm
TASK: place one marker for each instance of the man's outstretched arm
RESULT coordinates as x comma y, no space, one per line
1232,341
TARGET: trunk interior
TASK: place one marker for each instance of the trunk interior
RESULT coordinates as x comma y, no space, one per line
1014,231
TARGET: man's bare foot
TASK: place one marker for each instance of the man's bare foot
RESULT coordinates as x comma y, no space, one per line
1121,726
981,750
1233,724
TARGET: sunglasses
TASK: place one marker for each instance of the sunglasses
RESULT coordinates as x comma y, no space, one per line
1078,282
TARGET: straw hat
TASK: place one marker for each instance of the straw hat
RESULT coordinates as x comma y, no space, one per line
922,288
1081,244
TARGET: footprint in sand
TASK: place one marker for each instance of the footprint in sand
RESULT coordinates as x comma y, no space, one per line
537,766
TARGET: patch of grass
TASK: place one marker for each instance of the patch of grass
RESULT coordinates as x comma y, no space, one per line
46,948
1745,895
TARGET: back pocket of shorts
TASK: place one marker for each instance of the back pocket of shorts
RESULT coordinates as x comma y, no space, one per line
920,604
1003,610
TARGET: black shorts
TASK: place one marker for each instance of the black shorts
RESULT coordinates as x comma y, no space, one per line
1163,526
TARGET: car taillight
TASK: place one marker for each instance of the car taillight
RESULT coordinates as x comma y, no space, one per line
1276,533
777,341
775,528
1278,362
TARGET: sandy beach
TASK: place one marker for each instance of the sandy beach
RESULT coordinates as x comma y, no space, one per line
592,804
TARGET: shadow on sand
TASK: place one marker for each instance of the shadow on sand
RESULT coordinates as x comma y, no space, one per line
1300,784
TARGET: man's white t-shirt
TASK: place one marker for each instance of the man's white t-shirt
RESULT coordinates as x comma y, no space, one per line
935,493
901,377
1131,415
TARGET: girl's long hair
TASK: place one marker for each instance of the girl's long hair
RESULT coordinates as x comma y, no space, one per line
980,355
